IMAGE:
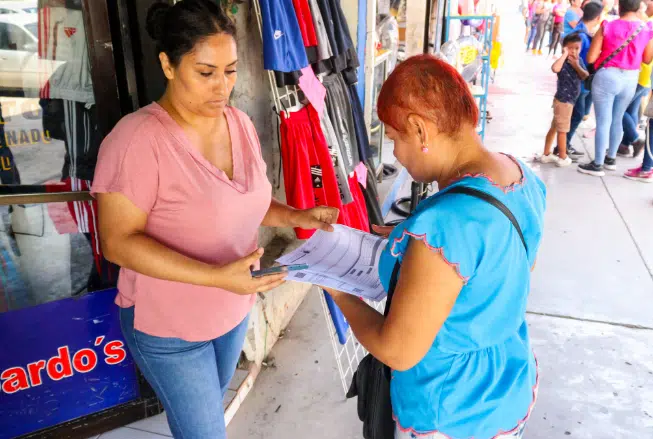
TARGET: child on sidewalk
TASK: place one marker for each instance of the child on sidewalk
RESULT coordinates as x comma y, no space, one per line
571,71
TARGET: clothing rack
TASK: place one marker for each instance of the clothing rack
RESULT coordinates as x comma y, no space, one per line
285,98
347,350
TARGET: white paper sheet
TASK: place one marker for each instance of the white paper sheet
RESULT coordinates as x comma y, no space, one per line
346,260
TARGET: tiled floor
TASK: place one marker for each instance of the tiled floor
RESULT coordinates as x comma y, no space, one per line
152,428
157,426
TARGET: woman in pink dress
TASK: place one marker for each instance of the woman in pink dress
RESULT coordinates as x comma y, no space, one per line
615,82
559,11
182,191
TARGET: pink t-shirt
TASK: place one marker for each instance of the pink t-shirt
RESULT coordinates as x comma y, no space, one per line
192,208
615,33
557,19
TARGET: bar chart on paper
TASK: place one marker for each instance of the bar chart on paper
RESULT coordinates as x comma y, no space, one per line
345,260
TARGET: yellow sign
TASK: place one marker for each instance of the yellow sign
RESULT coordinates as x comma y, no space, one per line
467,54
15,138
495,55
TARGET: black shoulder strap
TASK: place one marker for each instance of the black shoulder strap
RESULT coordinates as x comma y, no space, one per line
466,190
493,201
393,284
623,45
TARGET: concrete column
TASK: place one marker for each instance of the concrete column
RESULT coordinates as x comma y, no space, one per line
350,10
415,21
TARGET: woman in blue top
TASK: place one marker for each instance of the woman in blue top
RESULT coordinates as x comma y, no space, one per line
572,17
456,336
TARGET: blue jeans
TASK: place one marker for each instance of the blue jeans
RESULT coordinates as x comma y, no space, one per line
647,164
631,117
581,109
532,33
190,378
612,91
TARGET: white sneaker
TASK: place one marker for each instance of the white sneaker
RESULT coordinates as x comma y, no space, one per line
563,163
545,159
589,124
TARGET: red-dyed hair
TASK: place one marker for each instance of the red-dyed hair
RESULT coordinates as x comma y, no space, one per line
429,87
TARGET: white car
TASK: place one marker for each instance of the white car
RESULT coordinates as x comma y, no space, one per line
17,7
22,73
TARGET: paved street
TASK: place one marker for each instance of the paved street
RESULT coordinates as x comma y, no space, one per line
590,311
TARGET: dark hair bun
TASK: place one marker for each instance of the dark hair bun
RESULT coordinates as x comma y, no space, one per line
156,18
177,29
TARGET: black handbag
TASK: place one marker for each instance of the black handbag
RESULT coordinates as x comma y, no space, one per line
371,381
588,81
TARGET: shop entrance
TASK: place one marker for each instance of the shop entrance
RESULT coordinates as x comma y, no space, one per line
64,370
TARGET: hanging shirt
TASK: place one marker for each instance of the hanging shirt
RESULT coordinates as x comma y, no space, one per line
323,45
283,45
62,37
479,377
305,21
193,208
336,155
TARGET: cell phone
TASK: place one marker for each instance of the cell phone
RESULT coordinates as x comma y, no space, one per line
279,269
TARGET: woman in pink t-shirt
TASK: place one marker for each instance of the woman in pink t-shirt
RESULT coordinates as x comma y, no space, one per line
182,192
615,81
559,11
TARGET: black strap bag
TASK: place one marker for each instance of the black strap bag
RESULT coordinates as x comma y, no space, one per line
588,81
371,381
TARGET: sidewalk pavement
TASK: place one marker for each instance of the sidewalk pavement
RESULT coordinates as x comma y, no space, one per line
590,310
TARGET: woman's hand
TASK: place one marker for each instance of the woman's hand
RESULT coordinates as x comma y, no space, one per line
320,218
237,277
384,231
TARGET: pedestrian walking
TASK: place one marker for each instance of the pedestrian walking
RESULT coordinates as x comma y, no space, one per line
631,144
559,11
543,22
618,50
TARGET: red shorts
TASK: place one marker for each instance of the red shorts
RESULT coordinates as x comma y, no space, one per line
305,20
356,211
309,176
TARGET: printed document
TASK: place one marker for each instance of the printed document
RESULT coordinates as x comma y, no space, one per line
346,260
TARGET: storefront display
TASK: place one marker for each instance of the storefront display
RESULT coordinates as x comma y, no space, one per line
63,355
69,71
465,54
54,369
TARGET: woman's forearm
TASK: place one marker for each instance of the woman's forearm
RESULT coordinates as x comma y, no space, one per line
367,325
279,215
143,254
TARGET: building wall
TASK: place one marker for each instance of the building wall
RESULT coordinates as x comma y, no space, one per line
252,94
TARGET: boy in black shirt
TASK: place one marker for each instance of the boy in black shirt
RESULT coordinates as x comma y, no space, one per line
571,71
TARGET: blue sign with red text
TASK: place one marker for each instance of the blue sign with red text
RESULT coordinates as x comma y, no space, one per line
60,361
